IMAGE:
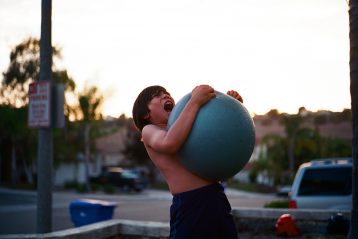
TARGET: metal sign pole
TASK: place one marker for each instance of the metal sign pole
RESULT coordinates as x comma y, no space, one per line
45,151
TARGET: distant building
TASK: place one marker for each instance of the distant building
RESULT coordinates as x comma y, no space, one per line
264,125
109,148
107,152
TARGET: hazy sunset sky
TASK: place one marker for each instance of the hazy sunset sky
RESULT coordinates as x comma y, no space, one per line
278,54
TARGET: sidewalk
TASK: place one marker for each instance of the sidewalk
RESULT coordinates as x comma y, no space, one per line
17,191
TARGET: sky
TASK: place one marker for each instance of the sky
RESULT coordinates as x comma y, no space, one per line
277,54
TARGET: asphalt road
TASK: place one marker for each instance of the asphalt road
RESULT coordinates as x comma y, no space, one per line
18,208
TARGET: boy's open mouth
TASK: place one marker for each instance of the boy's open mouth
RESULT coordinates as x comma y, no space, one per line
168,106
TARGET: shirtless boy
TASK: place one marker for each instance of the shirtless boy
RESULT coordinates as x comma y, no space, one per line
200,208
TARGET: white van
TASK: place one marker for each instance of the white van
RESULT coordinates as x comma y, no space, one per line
323,184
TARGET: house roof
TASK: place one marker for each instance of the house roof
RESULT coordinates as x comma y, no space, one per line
332,130
262,130
337,130
113,143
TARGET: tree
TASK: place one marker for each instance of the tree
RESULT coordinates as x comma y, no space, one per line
353,34
292,125
134,148
90,101
135,151
308,146
24,68
273,113
274,159
17,143
335,147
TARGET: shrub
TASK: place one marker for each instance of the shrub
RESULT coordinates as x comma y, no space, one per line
277,204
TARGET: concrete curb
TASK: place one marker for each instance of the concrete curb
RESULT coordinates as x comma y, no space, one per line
105,229
248,220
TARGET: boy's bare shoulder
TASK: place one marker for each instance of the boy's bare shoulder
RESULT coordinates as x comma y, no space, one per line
149,130
150,127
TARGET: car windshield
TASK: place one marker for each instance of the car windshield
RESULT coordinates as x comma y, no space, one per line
128,174
329,181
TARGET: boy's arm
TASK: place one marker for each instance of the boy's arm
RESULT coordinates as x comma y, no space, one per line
170,141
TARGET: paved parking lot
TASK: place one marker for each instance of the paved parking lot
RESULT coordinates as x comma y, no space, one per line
18,208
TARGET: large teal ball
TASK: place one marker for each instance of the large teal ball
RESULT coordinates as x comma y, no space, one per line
222,138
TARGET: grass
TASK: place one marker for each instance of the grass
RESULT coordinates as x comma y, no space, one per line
277,204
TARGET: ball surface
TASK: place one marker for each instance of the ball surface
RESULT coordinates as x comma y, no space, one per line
222,138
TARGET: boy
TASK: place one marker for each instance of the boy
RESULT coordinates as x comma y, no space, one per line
200,208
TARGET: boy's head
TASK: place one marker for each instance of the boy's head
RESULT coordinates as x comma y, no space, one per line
141,110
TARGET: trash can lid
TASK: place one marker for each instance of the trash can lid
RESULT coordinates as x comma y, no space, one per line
92,202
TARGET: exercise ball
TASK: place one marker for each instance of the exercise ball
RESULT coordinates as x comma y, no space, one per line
221,140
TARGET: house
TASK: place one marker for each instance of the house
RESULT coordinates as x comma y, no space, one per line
108,152
265,126
109,148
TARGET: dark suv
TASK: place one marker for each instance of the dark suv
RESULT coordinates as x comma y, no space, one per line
119,177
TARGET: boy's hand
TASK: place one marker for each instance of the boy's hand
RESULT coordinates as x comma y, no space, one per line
235,95
202,94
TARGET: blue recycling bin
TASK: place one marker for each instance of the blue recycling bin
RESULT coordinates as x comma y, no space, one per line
87,211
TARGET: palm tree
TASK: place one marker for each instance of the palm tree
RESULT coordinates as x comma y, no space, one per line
90,103
353,35
292,126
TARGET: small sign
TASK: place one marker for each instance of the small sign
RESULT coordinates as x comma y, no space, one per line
39,105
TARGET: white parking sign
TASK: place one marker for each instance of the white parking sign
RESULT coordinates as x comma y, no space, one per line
39,115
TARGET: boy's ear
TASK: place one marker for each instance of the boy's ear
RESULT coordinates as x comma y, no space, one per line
147,117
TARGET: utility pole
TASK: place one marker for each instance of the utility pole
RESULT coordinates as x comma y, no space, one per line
353,62
45,147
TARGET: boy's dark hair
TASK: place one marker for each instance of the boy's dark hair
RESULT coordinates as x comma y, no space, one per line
140,107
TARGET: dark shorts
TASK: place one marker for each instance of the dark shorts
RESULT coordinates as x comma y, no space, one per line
202,213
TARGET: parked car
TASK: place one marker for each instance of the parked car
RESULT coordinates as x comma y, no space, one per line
323,184
284,191
119,177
